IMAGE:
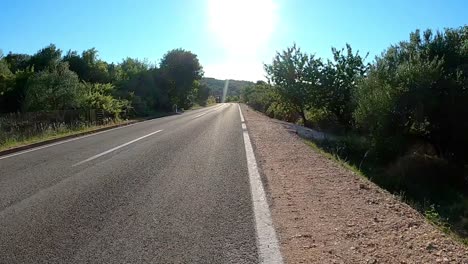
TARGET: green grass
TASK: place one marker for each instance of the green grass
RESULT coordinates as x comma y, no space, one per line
336,158
19,140
197,106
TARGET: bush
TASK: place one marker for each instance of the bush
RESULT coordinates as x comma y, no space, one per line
55,88
211,100
99,96
418,91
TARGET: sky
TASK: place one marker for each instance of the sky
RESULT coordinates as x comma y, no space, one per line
232,38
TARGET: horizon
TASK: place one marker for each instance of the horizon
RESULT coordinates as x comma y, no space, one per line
232,39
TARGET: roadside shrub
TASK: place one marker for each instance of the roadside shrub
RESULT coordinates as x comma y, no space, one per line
418,90
280,111
211,100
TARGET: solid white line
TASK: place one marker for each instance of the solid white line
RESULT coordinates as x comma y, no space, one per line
116,148
241,115
268,246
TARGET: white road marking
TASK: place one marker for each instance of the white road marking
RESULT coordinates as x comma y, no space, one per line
60,142
268,246
73,139
116,148
212,110
200,115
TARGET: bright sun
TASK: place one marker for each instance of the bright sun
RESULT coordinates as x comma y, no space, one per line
242,26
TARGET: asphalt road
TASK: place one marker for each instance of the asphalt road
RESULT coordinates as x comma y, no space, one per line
133,195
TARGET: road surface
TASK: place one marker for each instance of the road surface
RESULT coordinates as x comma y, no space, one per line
169,190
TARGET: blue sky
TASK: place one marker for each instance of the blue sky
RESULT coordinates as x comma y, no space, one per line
231,38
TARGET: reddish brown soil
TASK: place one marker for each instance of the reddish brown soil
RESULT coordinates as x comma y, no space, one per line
324,213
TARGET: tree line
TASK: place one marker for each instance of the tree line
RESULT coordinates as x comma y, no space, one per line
406,111
50,80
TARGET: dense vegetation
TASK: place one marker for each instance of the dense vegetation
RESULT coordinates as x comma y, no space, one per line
216,87
50,80
401,119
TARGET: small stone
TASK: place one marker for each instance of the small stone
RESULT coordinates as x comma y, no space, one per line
363,186
430,246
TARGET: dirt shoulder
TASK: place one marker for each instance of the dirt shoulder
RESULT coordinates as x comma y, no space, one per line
324,213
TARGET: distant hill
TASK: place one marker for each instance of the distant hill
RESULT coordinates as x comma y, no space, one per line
216,86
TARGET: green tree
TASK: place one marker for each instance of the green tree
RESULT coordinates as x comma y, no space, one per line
55,88
6,76
132,67
100,96
12,85
296,78
418,91
88,66
46,57
17,62
180,69
339,80
202,92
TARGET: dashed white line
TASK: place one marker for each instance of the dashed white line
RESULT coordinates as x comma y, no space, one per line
73,139
200,115
267,242
116,148
207,112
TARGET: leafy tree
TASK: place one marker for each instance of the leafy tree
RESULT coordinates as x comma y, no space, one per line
46,57
417,91
55,88
100,96
12,88
180,68
17,62
6,76
46,81
201,91
88,66
259,96
339,79
132,67
296,78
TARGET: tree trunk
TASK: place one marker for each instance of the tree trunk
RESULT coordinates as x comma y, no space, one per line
302,113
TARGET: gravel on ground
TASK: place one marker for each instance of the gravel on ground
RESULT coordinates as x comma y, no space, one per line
325,213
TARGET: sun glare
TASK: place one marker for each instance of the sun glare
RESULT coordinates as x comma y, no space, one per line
242,26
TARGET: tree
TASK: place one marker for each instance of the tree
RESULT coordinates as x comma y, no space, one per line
296,78
88,66
6,76
132,67
339,79
202,92
100,96
180,68
55,88
12,85
46,57
17,62
418,91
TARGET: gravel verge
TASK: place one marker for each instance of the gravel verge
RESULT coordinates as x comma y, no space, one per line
324,213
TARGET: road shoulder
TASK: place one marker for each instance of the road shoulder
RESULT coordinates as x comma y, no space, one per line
324,213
